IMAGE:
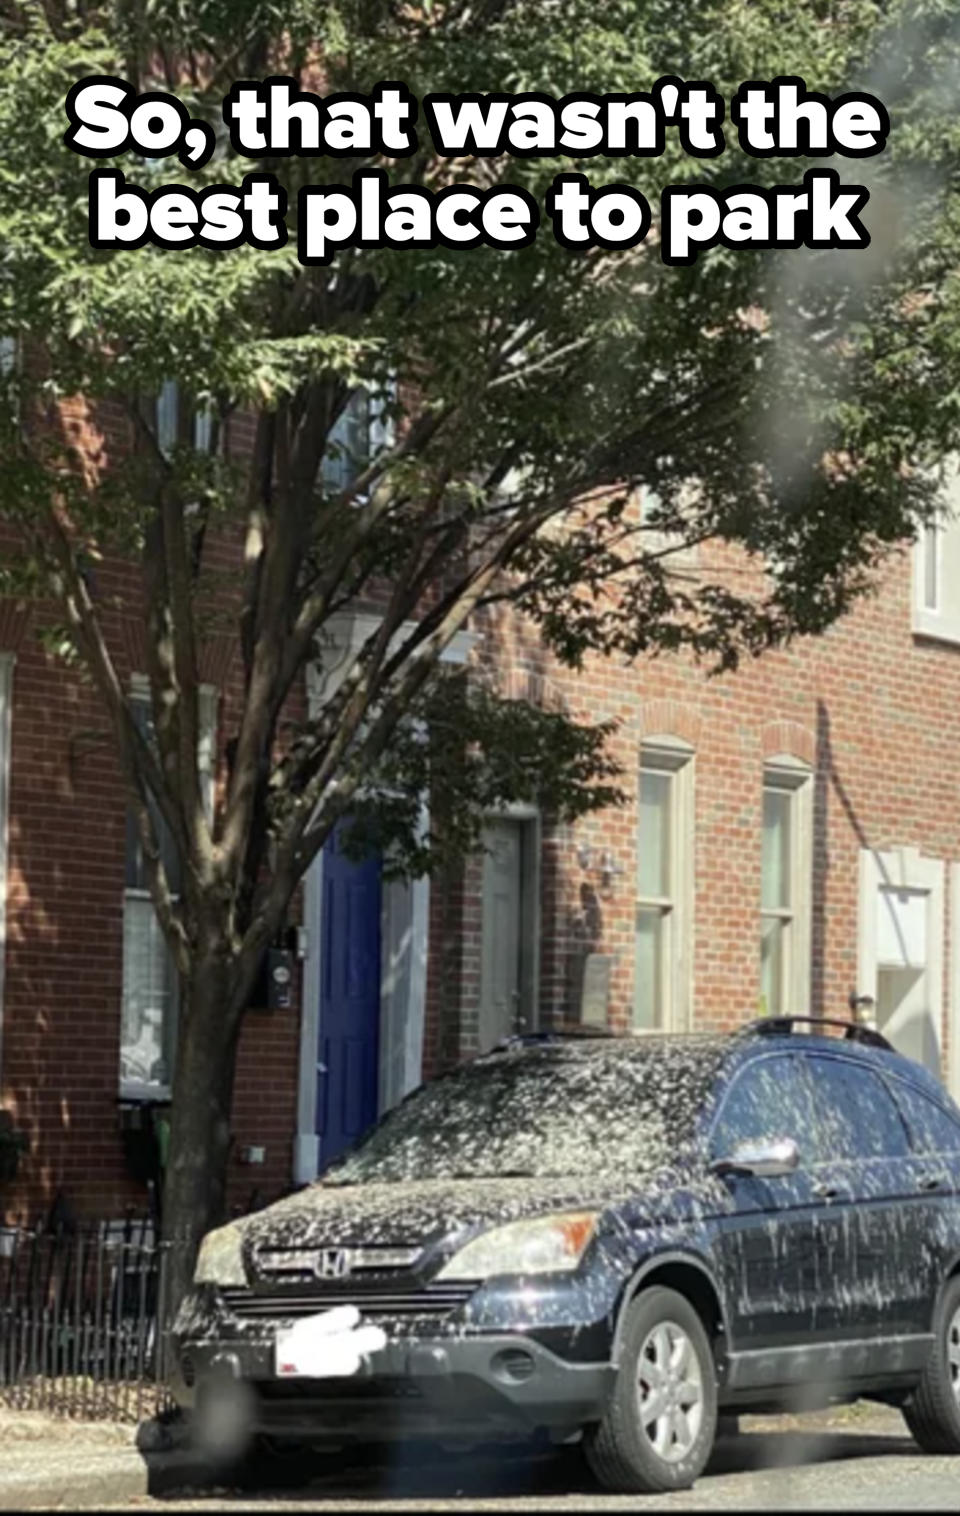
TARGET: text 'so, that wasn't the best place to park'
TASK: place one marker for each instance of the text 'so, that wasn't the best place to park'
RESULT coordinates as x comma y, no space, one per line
274,118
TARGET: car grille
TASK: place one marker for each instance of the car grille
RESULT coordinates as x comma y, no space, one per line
424,1302
331,1265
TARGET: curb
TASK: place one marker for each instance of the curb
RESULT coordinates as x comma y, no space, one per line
34,1476
106,1478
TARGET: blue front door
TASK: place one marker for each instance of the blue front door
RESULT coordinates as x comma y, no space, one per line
349,1000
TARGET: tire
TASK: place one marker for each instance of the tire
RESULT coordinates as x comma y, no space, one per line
933,1411
628,1455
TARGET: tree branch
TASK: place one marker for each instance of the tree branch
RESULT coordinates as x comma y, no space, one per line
137,763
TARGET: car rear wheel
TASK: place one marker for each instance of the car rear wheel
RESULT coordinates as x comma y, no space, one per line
933,1411
658,1429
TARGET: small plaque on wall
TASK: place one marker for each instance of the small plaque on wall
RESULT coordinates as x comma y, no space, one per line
595,994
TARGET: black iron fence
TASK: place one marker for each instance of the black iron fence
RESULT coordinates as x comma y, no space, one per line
84,1321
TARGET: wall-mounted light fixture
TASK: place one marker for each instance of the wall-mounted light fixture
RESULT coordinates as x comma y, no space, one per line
593,860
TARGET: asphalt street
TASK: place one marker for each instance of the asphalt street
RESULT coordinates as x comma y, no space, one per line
861,1461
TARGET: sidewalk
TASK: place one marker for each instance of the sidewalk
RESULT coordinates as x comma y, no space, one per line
47,1463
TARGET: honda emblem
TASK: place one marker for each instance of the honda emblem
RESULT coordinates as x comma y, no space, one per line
332,1263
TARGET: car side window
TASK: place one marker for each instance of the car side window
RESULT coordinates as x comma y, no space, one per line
855,1114
932,1129
769,1098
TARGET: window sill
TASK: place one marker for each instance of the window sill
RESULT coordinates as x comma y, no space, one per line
928,625
139,1091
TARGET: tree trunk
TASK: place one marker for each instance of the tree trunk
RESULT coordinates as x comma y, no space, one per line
194,1197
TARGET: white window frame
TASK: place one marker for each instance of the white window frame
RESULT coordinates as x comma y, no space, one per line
929,546
907,869
11,353
673,547
790,775
6,700
380,433
531,926
675,758
139,1089
936,620
166,408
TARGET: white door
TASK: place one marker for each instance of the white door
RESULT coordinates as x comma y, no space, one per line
507,977
901,950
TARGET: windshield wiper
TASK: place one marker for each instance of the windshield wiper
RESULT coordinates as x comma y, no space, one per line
491,1174
335,1180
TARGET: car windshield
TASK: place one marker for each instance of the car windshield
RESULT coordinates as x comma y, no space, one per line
615,1109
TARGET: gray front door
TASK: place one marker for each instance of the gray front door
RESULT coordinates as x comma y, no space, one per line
506,975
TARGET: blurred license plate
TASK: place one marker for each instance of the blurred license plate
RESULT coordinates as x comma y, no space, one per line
317,1347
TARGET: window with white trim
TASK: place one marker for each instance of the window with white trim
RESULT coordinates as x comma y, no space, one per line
357,435
165,420
785,888
150,1006
661,998
10,353
936,571
673,546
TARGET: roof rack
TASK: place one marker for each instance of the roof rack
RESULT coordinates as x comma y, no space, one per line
782,1026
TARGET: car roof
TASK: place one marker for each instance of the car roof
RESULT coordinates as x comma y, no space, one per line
573,1046
726,1050
883,1059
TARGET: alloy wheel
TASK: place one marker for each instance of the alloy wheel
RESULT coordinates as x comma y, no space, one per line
670,1390
953,1353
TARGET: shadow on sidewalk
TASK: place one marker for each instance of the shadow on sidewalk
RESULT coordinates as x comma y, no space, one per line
427,1472
752,1451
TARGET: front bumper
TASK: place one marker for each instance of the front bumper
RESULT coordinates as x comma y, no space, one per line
490,1385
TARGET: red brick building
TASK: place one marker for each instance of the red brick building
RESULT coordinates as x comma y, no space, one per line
791,838
792,835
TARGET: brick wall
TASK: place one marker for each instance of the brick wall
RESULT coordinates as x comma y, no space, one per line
59,1061
872,708
63,980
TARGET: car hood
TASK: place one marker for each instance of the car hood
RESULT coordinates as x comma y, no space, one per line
425,1212
418,1212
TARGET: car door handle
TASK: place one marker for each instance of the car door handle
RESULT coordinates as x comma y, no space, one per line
932,1182
826,1191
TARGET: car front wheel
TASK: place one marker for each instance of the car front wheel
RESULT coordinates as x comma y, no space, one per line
933,1411
658,1429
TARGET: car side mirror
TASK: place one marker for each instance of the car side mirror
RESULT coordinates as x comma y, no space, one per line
764,1158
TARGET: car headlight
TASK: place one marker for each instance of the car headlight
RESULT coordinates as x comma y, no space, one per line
219,1260
546,1245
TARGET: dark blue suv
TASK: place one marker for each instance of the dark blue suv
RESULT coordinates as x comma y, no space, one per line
618,1238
